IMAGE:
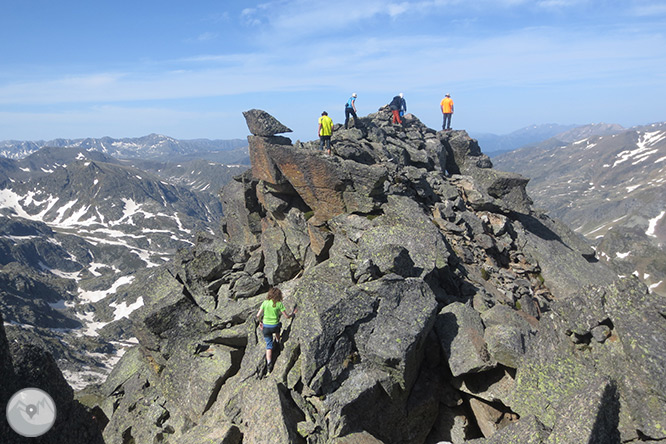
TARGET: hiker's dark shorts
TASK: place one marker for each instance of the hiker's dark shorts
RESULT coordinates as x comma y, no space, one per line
268,332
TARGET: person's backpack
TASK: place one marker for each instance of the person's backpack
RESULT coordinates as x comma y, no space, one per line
395,103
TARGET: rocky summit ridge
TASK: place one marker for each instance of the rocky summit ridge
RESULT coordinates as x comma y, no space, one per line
435,305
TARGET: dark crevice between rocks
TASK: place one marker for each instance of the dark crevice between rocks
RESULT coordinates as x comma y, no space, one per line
581,339
236,358
643,438
293,414
608,323
591,258
372,214
293,360
127,437
186,292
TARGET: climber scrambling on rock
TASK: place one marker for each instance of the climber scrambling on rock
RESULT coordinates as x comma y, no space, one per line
350,109
269,321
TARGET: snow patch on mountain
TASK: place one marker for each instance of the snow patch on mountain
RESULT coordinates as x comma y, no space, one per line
652,224
123,310
95,296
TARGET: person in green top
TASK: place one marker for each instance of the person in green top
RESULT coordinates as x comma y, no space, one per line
325,131
269,321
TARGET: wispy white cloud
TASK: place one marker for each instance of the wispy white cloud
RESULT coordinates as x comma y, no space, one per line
206,36
648,8
301,17
560,3
532,56
305,50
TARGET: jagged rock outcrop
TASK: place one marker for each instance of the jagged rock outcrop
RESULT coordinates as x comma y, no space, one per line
434,305
263,124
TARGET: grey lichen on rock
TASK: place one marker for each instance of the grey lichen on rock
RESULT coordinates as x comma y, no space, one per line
434,304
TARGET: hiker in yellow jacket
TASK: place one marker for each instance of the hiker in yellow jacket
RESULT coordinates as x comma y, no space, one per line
325,131
447,110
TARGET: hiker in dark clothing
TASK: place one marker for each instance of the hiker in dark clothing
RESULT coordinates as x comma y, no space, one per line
397,106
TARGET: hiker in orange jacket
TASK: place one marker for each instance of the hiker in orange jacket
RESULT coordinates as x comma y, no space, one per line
447,111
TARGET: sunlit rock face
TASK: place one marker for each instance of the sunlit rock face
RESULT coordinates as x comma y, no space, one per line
434,304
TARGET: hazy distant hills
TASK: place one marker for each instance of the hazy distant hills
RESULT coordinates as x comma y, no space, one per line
153,146
611,188
554,134
78,223
493,144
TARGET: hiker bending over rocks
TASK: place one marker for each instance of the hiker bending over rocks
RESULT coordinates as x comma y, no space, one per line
269,321
398,107
350,109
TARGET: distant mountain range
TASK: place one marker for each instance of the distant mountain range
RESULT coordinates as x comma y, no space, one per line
81,220
151,147
609,188
493,144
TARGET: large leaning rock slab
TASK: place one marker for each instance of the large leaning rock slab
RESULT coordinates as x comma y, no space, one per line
463,152
328,307
314,178
507,334
488,418
563,360
270,415
565,267
260,123
402,421
281,265
195,375
639,320
405,227
329,186
263,165
35,368
509,188
460,333
241,209
405,315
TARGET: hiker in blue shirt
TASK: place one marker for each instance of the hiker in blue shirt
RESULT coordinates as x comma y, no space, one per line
350,108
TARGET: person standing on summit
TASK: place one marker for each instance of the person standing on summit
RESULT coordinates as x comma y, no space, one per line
446,106
325,131
350,108
398,106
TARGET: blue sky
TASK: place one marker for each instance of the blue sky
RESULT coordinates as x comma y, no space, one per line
188,69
